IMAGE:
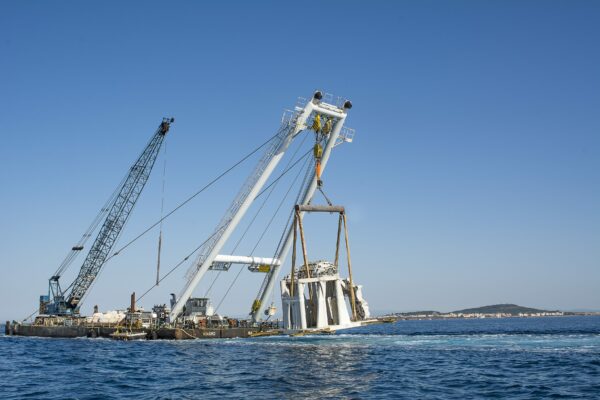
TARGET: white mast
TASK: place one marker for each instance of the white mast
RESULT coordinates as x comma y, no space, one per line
306,198
250,190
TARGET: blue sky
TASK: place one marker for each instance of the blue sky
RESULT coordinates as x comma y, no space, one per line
473,179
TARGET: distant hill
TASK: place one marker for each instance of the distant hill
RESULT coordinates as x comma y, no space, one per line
512,309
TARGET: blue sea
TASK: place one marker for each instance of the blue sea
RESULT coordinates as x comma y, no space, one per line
532,358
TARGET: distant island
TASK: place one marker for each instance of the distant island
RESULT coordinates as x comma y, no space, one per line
511,309
493,311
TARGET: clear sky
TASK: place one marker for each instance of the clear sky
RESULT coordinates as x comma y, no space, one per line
474,177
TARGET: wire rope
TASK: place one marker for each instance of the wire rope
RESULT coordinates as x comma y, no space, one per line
72,255
205,187
186,201
271,185
162,209
266,228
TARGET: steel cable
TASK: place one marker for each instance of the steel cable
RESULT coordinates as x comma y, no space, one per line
272,185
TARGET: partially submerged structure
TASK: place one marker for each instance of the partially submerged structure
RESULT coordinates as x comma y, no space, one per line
320,300
314,297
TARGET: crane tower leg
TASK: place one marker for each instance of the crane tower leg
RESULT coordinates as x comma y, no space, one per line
306,198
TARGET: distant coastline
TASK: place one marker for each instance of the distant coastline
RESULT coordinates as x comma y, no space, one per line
492,311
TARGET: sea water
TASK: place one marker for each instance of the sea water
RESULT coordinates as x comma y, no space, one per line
516,358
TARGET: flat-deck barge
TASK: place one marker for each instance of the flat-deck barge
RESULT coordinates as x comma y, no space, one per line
168,333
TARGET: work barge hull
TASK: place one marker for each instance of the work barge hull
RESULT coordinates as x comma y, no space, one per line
165,333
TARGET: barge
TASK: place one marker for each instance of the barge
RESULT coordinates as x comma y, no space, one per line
165,333
199,321
315,297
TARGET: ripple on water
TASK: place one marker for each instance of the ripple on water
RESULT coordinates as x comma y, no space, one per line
515,358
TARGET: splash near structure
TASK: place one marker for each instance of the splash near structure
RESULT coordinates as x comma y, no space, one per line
314,296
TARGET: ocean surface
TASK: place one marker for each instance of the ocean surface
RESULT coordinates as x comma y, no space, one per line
529,358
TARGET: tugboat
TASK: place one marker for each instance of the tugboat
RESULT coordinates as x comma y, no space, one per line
128,335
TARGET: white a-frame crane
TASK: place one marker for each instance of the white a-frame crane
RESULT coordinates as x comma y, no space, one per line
252,187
